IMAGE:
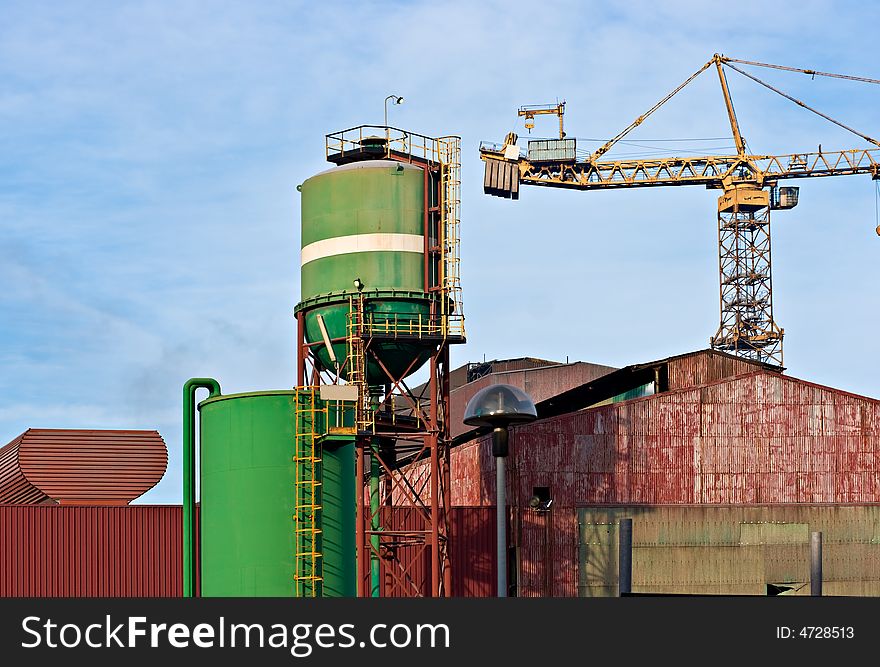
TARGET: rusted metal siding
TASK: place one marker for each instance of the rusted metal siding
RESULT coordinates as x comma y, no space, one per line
758,438
473,536
77,551
70,466
693,370
732,550
540,383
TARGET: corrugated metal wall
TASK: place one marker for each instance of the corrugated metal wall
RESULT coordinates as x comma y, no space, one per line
758,438
473,554
135,551
731,550
754,439
79,551
693,370
14,486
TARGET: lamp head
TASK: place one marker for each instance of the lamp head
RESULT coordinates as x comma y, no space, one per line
498,406
358,285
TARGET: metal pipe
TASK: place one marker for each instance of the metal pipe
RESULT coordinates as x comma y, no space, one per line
816,564
501,516
327,343
359,527
189,475
624,557
444,476
374,520
434,443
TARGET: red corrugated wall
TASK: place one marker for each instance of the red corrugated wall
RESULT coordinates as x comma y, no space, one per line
693,370
472,535
134,551
758,438
80,551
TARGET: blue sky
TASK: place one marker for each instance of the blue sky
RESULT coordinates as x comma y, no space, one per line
149,154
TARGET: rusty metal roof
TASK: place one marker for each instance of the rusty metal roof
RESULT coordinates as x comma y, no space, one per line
78,466
691,369
681,371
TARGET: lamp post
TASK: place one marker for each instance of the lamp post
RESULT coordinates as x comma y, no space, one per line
498,406
397,100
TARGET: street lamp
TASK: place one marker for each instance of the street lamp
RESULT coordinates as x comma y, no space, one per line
397,100
498,406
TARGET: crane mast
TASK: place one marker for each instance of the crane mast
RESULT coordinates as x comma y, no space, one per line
750,190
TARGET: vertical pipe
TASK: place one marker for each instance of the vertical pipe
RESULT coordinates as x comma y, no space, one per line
359,527
624,558
189,475
501,523
816,564
548,553
433,443
445,477
374,519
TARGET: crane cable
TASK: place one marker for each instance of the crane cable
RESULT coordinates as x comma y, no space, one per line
804,105
599,152
811,72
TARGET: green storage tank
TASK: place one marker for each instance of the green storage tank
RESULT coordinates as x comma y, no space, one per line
366,220
248,476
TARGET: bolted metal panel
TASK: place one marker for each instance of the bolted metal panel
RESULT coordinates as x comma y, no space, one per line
79,466
552,150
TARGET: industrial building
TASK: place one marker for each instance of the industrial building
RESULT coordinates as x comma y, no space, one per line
351,482
725,466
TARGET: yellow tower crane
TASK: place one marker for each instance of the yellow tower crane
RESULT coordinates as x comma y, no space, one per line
749,185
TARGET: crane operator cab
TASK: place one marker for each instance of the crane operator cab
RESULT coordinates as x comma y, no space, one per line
782,199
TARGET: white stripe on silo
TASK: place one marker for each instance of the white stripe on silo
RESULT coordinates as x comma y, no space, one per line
344,245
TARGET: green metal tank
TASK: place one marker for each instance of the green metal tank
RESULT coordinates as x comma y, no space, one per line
365,220
248,481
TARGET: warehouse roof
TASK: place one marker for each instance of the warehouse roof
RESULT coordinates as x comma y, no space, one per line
676,372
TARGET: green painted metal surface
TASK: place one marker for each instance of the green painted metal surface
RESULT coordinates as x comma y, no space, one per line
247,499
347,213
338,517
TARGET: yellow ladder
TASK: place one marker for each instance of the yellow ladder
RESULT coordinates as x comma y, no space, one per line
357,365
308,561
451,313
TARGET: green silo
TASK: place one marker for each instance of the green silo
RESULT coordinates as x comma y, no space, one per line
366,220
249,480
